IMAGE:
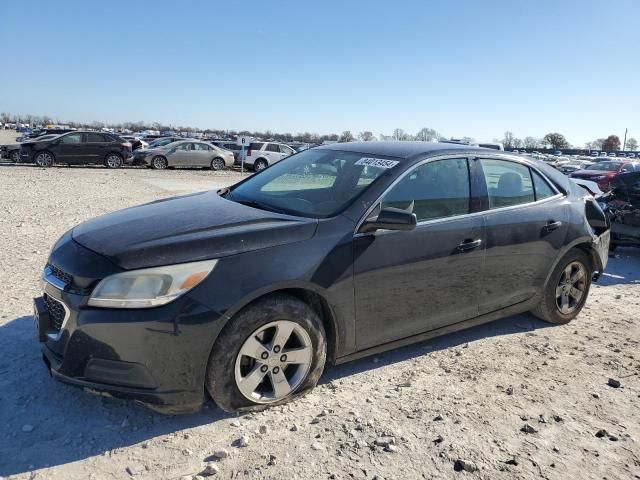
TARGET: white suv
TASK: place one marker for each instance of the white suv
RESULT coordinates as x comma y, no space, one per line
262,154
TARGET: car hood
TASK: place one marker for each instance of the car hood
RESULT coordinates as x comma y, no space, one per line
189,228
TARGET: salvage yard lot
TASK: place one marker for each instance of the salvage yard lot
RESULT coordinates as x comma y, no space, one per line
466,396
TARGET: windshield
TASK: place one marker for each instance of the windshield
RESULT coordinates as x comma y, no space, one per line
314,183
605,166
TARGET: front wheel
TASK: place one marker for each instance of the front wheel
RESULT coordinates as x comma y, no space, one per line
44,159
15,156
270,353
218,164
566,292
159,163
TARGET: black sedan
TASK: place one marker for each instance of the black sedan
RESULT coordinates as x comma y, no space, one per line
77,148
335,253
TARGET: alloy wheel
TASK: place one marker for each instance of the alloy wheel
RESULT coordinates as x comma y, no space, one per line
114,161
260,165
217,164
273,362
44,159
159,163
571,287
15,156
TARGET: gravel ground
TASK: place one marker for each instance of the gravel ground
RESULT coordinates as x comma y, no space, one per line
516,398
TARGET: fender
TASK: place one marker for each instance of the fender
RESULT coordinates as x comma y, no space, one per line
337,346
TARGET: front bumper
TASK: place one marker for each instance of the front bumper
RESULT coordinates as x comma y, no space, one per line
155,356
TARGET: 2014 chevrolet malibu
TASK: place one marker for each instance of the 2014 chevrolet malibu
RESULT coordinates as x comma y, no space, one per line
332,254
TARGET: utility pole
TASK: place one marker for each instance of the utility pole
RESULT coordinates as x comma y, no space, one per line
624,144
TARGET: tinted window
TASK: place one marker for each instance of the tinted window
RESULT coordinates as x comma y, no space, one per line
318,183
434,190
95,137
542,188
286,150
256,146
272,147
508,183
72,138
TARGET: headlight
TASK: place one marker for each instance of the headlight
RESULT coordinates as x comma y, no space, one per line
150,287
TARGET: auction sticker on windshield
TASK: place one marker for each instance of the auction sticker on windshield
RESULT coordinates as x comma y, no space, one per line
377,162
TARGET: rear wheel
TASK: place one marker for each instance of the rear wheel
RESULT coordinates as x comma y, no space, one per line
159,162
260,164
44,159
270,353
15,156
567,289
218,164
113,160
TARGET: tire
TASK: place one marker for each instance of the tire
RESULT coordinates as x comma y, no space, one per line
229,365
159,162
113,160
555,292
15,156
44,159
218,164
260,164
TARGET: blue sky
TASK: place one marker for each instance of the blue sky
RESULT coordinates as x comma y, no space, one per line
473,68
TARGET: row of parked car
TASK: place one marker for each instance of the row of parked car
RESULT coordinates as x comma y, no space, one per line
113,151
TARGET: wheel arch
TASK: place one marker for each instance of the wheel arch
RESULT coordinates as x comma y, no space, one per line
309,295
35,154
585,244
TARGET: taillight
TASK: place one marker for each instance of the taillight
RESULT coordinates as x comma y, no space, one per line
249,152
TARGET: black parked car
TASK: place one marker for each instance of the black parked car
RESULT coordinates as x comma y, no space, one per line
78,148
332,254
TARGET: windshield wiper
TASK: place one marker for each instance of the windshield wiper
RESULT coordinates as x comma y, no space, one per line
260,206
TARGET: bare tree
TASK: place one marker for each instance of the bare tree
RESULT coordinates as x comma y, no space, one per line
427,135
346,136
531,142
632,144
507,141
366,136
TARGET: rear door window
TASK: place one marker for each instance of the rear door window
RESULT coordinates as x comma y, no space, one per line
256,146
72,138
541,188
272,147
508,183
95,137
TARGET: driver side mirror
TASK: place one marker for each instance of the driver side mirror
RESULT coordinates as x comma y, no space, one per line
390,219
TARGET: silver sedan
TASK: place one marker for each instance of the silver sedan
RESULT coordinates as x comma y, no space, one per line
186,154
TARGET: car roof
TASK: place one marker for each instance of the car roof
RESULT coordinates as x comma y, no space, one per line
405,149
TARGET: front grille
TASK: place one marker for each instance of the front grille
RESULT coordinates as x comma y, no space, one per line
60,274
57,312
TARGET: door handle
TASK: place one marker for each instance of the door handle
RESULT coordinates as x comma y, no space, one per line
551,226
468,245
